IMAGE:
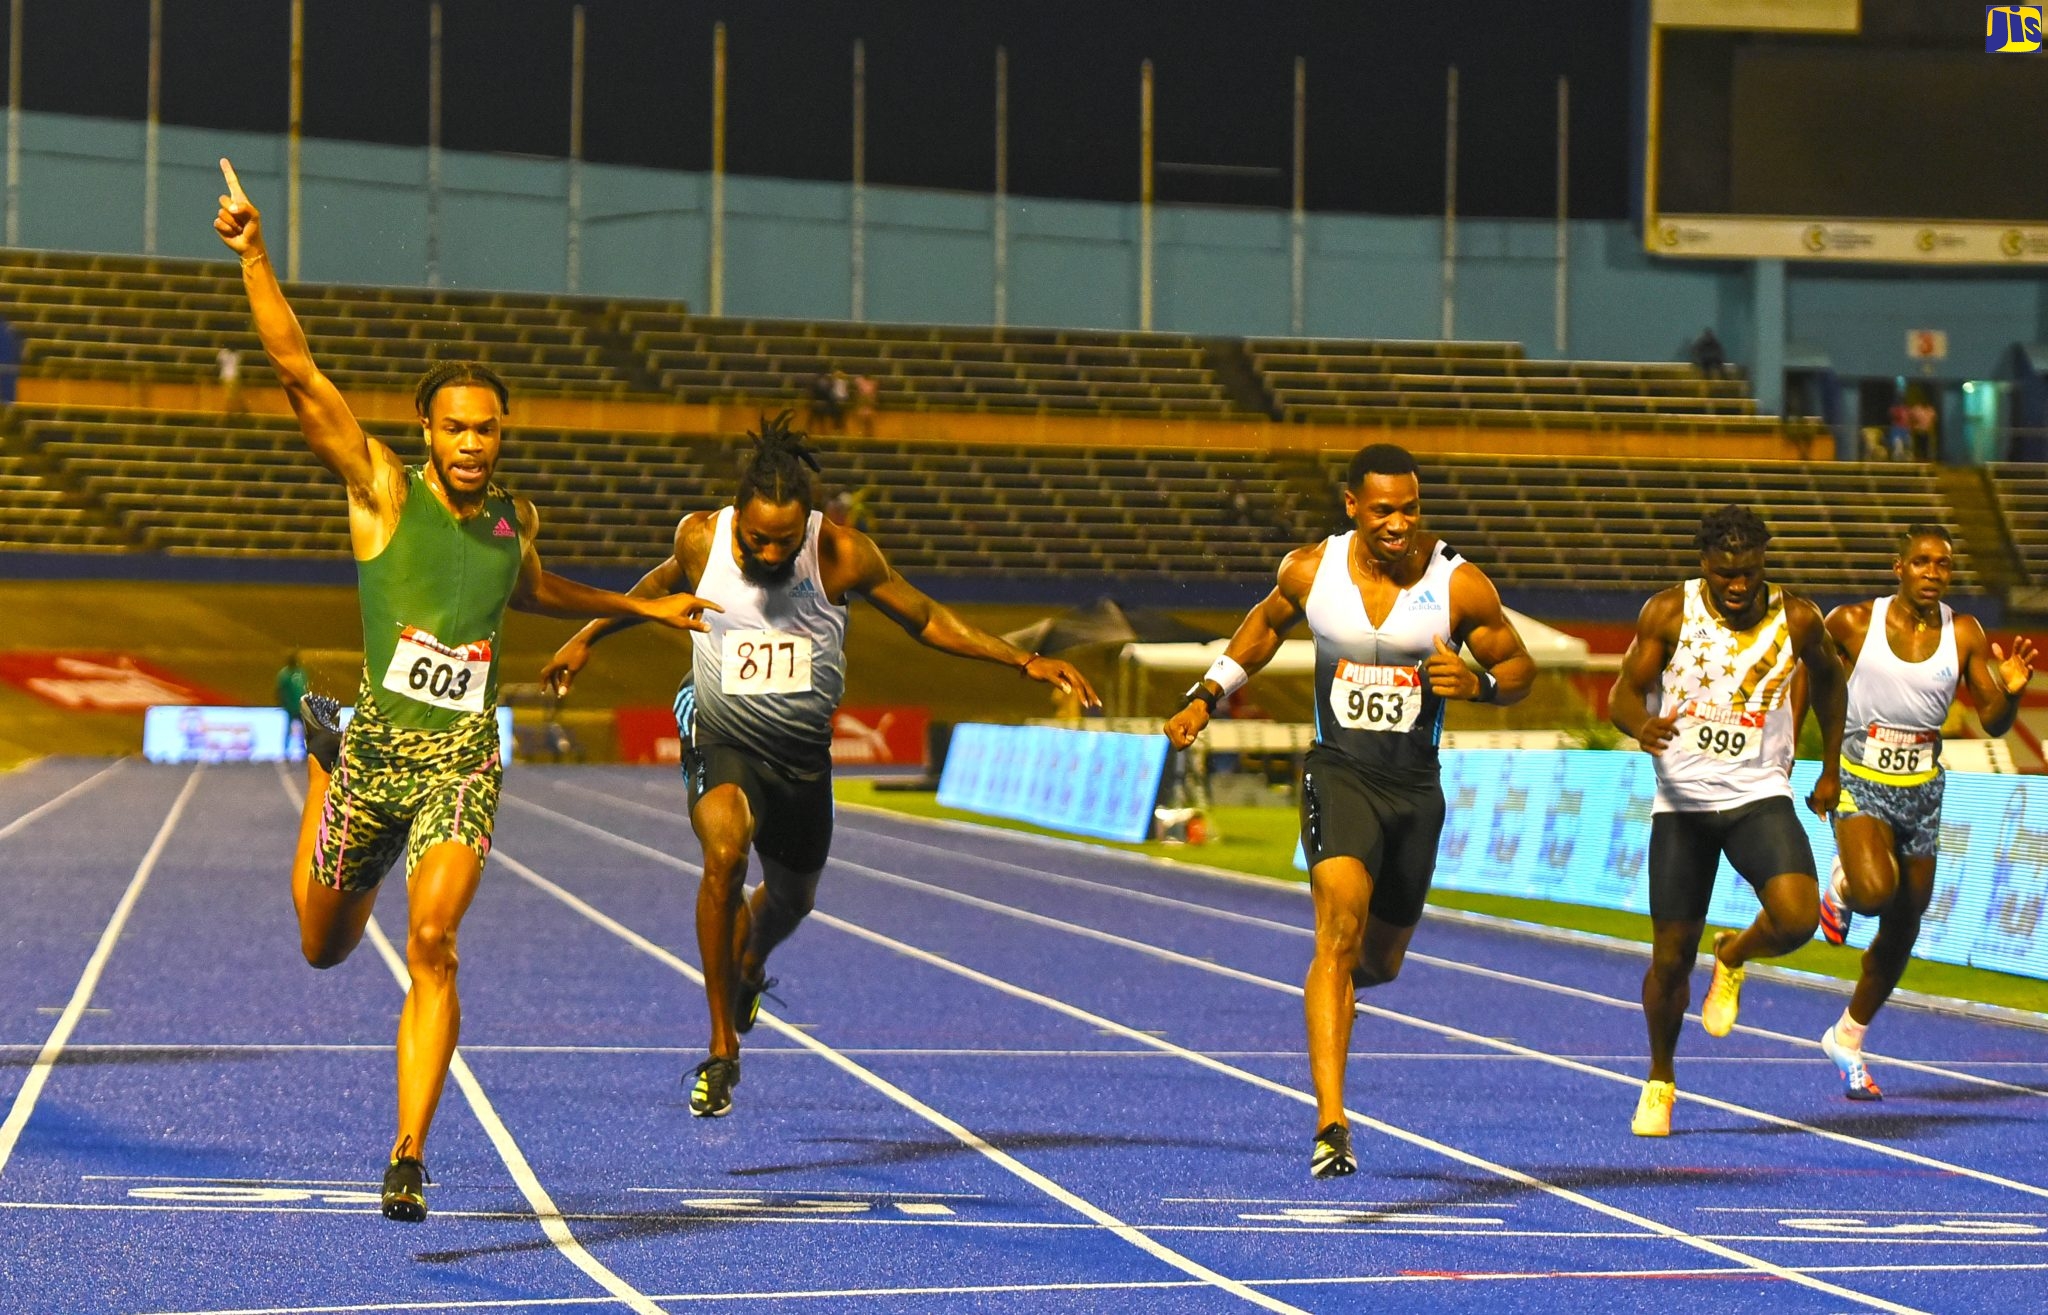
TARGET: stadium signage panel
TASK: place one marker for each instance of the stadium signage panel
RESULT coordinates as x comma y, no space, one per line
1574,826
1091,783
188,734
100,682
1898,241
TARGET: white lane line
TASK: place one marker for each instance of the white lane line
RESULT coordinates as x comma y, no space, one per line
551,1221
88,981
1442,1029
959,1132
1434,961
1409,1020
53,804
1652,1226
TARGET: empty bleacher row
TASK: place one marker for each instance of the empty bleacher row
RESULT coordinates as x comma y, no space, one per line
1492,383
125,318
203,485
2021,490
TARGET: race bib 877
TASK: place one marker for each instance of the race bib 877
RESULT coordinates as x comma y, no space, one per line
451,676
764,662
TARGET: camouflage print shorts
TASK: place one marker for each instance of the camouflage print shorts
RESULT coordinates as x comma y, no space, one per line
396,789
1913,812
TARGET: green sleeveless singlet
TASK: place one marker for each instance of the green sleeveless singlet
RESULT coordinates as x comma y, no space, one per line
433,602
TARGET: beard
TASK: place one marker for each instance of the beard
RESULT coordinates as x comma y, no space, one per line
761,575
455,492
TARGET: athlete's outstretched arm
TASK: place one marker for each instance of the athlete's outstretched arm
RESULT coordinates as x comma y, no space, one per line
1257,639
935,625
1493,640
669,580
1642,667
1827,684
1997,691
331,429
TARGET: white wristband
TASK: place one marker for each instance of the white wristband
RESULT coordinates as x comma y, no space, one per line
1229,676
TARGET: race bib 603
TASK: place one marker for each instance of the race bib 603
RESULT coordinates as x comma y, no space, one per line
451,676
764,662
1370,698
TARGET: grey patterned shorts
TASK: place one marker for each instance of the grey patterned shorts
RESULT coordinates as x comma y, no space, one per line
1913,812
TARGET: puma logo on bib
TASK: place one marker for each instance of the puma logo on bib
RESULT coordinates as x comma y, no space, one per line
439,675
1372,698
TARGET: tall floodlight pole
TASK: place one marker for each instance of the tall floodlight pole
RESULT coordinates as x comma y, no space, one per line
434,144
1450,323
574,272
1145,196
14,123
715,279
1297,245
1564,141
1002,210
294,211
152,133
857,255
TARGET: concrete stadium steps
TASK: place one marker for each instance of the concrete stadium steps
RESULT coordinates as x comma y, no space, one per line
220,486
2021,490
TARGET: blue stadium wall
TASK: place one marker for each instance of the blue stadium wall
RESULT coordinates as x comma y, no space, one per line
930,255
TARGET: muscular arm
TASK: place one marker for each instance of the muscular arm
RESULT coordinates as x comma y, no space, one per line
1996,690
1491,637
676,573
1827,684
1641,668
330,427
1258,636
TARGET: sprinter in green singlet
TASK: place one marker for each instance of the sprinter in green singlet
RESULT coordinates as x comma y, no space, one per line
441,551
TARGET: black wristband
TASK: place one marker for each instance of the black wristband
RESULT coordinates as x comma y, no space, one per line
1488,688
1199,692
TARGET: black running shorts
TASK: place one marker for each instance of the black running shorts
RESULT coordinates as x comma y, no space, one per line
1391,829
1762,840
792,817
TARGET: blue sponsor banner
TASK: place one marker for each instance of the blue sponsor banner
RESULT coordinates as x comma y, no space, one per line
181,734
1574,826
1092,783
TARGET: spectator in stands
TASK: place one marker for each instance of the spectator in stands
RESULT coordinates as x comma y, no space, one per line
228,369
865,391
1707,356
839,508
1898,431
824,402
1286,514
1923,428
1237,506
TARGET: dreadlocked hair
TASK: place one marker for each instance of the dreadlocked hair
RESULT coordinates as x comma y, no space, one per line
1731,529
445,373
781,468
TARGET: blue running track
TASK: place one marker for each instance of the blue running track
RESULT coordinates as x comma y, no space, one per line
1007,1075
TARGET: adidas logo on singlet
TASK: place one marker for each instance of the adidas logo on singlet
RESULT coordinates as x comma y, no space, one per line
503,529
1427,599
803,589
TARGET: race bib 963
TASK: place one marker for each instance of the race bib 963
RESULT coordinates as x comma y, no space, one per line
1370,698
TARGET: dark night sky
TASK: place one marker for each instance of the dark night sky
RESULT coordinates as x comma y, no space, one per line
1224,88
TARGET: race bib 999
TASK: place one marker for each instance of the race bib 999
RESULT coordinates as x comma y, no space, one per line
1731,735
440,675
764,662
1370,698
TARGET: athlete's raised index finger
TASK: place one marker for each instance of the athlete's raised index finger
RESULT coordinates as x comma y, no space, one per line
235,192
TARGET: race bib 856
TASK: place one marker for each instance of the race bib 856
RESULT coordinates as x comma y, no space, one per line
764,662
1899,752
1370,698
451,676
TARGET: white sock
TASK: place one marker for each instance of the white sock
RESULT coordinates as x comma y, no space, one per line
1849,1032
1838,882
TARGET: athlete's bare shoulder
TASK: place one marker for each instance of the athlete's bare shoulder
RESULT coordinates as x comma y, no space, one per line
1298,571
693,541
1802,614
1663,614
1848,624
